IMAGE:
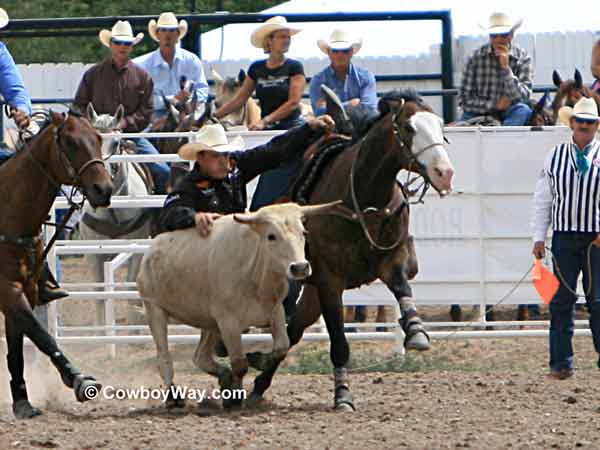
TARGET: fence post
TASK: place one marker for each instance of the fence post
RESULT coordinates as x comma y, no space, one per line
448,101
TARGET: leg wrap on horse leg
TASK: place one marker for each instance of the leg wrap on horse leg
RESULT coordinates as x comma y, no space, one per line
18,390
68,372
342,396
410,321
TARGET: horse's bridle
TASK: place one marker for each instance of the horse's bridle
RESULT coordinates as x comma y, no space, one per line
412,159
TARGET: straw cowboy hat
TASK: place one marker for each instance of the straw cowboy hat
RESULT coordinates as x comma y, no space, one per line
272,25
500,23
585,108
121,31
340,40
210,138
167,20
3,18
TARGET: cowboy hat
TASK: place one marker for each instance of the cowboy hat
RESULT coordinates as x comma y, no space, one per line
169,21
500,23
340,40
210,138
121,31
585,108
272,25
3,18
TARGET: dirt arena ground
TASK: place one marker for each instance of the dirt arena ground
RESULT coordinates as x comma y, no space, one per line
485,394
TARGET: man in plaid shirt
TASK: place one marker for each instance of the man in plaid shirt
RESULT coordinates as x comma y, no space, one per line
498,77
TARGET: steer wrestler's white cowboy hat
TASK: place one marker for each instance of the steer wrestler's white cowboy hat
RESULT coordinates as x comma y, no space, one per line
585,108
169,21
340,40
3,18
210,138
501,23
270,26
121,31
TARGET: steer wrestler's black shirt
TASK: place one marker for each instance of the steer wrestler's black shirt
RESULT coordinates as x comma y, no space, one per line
229,195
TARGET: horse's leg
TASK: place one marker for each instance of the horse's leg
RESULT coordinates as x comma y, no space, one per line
231,333
135,314
84,387
396,281
22,409
308,311
158,321
330,296
204,358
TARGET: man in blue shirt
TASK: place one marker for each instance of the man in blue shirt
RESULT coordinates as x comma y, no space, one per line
169,64
353,85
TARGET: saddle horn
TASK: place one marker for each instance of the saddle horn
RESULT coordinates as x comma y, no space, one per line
578,79
336,110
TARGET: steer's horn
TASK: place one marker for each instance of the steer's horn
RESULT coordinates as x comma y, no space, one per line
248,218
315,210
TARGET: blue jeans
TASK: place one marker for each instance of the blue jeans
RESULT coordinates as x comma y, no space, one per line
517,115
5,154
276,182
160,171
570,251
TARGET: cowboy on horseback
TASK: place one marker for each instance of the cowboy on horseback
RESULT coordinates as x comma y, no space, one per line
177,74
118,81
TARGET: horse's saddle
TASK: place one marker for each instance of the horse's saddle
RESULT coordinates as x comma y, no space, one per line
317,157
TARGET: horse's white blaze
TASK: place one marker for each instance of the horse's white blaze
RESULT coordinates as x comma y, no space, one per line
429,135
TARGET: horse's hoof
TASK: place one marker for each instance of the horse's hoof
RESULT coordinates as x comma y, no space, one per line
344,407
23,410
86,388
254,400
418,341
232,404
175,403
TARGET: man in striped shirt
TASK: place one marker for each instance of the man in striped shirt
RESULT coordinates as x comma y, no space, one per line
497,79
567,196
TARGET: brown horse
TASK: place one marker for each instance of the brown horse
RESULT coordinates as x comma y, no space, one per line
569,91
67,151
369,237
225,90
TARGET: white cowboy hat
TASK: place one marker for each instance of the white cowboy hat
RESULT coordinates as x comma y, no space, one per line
585,108
340,40
120,31
3,18
501,23
167,20
210,138
269,27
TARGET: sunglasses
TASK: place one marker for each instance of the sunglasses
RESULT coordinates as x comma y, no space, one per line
343,50
499,35
168,30
124,43
584,120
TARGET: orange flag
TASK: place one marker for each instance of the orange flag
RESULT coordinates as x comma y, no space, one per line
545,281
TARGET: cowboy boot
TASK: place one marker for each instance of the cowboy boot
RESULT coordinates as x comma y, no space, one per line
48,288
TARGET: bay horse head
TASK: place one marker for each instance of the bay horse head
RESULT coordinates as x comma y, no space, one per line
541,114
75,156
417,133
570,91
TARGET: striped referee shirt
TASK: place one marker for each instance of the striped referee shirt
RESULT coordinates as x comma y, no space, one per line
564,197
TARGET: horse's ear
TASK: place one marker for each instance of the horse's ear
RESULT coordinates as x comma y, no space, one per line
90,113
556,79
216,76
57,118
119,114
336,110
204,117
182,81
241,76
578,79
541,104
193,102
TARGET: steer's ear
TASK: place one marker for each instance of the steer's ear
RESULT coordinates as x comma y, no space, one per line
316,210
248,219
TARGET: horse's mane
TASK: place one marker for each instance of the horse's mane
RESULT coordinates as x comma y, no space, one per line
363,117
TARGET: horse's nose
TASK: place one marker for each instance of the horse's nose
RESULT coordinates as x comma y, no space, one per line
443,179
299,270
99,195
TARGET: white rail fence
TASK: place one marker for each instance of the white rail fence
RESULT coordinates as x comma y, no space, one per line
472,247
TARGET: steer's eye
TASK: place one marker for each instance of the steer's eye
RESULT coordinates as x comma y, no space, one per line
271,237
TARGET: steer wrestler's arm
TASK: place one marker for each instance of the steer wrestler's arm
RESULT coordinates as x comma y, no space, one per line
282,148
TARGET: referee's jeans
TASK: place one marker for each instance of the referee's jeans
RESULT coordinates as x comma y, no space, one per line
570,253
